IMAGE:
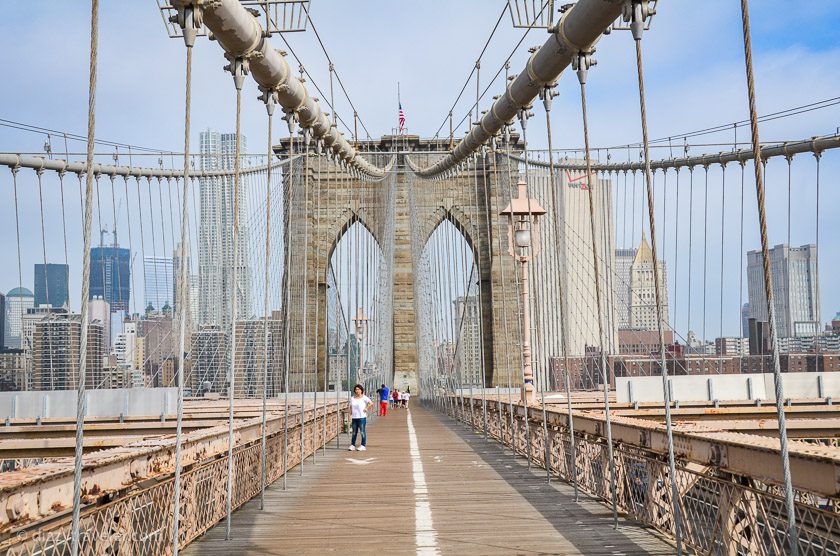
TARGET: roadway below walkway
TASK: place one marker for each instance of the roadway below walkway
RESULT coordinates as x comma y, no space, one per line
426,485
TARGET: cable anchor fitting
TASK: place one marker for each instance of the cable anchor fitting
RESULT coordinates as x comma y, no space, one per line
547,94
523,114
637,13
189,18
268,96
582,63
238,68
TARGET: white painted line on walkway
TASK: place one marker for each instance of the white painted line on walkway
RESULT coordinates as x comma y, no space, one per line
425,535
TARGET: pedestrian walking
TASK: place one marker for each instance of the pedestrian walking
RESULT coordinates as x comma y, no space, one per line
395,397
384,397
407,396
359,405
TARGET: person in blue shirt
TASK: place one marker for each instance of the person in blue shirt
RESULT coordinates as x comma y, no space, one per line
383,392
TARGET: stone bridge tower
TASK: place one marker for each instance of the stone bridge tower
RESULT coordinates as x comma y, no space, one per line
325,202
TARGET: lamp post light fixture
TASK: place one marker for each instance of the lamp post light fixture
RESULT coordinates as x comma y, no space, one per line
361,324
524,244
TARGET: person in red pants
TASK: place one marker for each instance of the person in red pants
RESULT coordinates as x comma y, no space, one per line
383,400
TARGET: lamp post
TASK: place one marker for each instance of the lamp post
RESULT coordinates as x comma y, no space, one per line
361,324
524,244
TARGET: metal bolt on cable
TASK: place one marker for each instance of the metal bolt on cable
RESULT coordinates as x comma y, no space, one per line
547,95
582,63
238,68
637,12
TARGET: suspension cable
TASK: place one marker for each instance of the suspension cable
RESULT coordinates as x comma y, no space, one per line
637,27
583,64
268,97
768,283
181,304
548,95
88,209
238,77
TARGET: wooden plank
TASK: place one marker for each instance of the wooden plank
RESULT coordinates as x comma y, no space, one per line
482,500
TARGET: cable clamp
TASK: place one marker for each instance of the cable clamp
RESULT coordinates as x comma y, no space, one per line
189,18
582,63
547,94
637,14
238,68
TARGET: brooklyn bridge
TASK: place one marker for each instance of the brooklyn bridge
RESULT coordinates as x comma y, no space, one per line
546,341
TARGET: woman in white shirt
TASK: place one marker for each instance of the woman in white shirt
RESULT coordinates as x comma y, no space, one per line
359,405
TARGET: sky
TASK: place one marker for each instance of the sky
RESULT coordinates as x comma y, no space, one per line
694,79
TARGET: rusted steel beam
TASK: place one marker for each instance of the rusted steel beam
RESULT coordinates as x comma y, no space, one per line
815,468
37,493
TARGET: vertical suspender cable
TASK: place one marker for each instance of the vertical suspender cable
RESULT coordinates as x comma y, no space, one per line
269,106
478,264
564,334
522,285
326,316
290,181
768,282
181,305
637,27
583,63
88,212
238,79
305,330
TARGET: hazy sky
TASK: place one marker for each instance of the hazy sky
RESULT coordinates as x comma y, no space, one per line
694,70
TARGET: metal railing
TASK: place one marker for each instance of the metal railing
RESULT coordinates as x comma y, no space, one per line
140,521
722,513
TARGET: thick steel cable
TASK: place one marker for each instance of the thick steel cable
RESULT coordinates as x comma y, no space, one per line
290,180
64,218
266,310
658,290
469,77
818,157
88,212
722,256
43,238
561,292
478,262
233,308
514,424
768,282
182,308
598,303
521,280
326,316
305,331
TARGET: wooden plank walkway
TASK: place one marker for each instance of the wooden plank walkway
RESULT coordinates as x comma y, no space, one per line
477,499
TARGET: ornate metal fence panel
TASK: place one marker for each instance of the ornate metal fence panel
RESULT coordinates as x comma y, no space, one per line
723,513
140,521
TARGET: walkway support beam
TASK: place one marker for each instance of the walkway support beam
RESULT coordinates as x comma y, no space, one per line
578,30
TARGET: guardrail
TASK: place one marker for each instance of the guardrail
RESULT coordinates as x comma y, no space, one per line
722,512
138,520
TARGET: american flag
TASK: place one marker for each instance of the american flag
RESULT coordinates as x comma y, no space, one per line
402,119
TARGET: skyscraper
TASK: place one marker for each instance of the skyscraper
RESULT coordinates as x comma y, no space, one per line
158,284
795,288
51,285
635,294
2,321
110,275
215,249
18,301
643,289
57,350
622,278
468,340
